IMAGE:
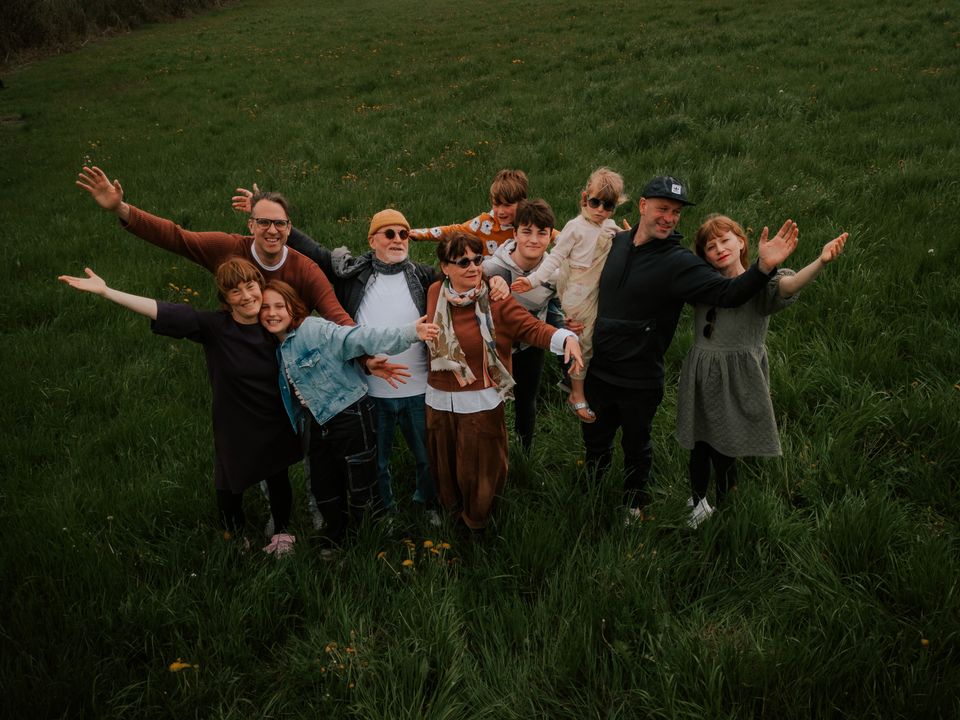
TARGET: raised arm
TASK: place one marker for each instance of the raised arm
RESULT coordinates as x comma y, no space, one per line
108,195
241,201
93,283
774,251
792,284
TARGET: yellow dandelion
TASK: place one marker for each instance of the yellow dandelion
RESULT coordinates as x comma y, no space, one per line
434,551
407,563
445,545
331,646
428,543
924,642
381,555
179,665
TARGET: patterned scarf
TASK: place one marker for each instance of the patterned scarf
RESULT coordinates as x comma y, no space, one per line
446,352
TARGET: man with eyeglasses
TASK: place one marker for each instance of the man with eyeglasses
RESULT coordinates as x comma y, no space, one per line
383,287
266,247
647,278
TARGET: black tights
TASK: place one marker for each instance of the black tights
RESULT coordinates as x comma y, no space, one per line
724,469
230,505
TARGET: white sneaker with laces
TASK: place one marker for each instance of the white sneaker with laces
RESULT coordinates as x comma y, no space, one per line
700,512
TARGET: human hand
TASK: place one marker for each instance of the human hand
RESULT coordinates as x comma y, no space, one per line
427,331
833,249
571,354
774,251
498,288
241,201
626,224
574,325
393,373
92,283
521,285
107,195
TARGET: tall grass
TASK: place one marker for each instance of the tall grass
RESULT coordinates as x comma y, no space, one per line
827,587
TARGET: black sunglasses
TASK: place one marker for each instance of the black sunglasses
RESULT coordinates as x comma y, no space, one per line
466,262
608,205
711,322
391,234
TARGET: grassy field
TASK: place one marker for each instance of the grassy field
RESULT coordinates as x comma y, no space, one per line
829,588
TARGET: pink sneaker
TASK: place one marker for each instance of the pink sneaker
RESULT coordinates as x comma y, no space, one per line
280,544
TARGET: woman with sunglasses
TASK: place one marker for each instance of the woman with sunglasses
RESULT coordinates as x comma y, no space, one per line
579,255
723,404
470,363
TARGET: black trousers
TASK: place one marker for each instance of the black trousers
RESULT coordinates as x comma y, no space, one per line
724,469
230,505
630,410
527,369
343,467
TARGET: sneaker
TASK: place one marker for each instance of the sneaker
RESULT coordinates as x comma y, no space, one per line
280,544
634,516
690,502
433,517
700,512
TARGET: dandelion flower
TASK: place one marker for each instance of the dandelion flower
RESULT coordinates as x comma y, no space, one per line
407,563
445,545
381,555
924,642
179,665
428,543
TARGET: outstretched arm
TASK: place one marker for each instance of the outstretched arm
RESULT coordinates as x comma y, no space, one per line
108,195
792,284
93,283
778,248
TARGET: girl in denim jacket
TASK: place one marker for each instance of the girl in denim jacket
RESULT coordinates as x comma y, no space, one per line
326,399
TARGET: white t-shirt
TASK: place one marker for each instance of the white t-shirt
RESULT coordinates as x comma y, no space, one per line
387,303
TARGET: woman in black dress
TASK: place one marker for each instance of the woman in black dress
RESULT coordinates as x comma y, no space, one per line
252,437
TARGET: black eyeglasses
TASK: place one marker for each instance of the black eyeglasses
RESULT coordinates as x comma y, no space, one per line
267,222
466,262
391,233
711,322
608,205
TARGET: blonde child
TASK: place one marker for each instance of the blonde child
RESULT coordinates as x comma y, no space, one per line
495,227
723,405
579,254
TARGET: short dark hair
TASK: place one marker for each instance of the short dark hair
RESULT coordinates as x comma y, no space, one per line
535,212
456,246
232,273
272,197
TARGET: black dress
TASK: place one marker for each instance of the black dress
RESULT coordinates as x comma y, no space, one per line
252,434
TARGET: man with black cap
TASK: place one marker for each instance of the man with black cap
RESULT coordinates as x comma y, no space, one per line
645,282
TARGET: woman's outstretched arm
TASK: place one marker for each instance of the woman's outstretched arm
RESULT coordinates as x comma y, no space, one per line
95,284
791,285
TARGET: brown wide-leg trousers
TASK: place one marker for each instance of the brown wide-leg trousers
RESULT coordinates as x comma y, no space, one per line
468,461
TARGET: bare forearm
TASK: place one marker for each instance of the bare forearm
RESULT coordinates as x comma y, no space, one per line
790,285
140,305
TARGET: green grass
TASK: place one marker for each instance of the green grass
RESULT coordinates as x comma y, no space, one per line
827,588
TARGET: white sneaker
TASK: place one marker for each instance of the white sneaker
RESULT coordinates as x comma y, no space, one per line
700,512
433,517
690,502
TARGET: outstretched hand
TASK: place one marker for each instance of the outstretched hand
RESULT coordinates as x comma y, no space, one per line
241,201
831,251
571,354
499,290
521,285
427,331
393,373
107,195
92,283
778,248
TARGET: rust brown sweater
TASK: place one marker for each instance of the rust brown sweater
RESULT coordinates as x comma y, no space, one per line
511,323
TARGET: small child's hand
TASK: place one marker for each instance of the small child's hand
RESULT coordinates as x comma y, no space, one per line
626,224
521,285
241,201
832,250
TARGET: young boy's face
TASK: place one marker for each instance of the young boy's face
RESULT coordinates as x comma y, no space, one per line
532,242
505,213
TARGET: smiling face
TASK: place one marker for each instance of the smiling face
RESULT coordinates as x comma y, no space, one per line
531,245
269,241
390,251
505,213
658,218
463,279
244,301
275,314
723,252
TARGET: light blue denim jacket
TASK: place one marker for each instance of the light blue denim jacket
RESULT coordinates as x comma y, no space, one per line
317,359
